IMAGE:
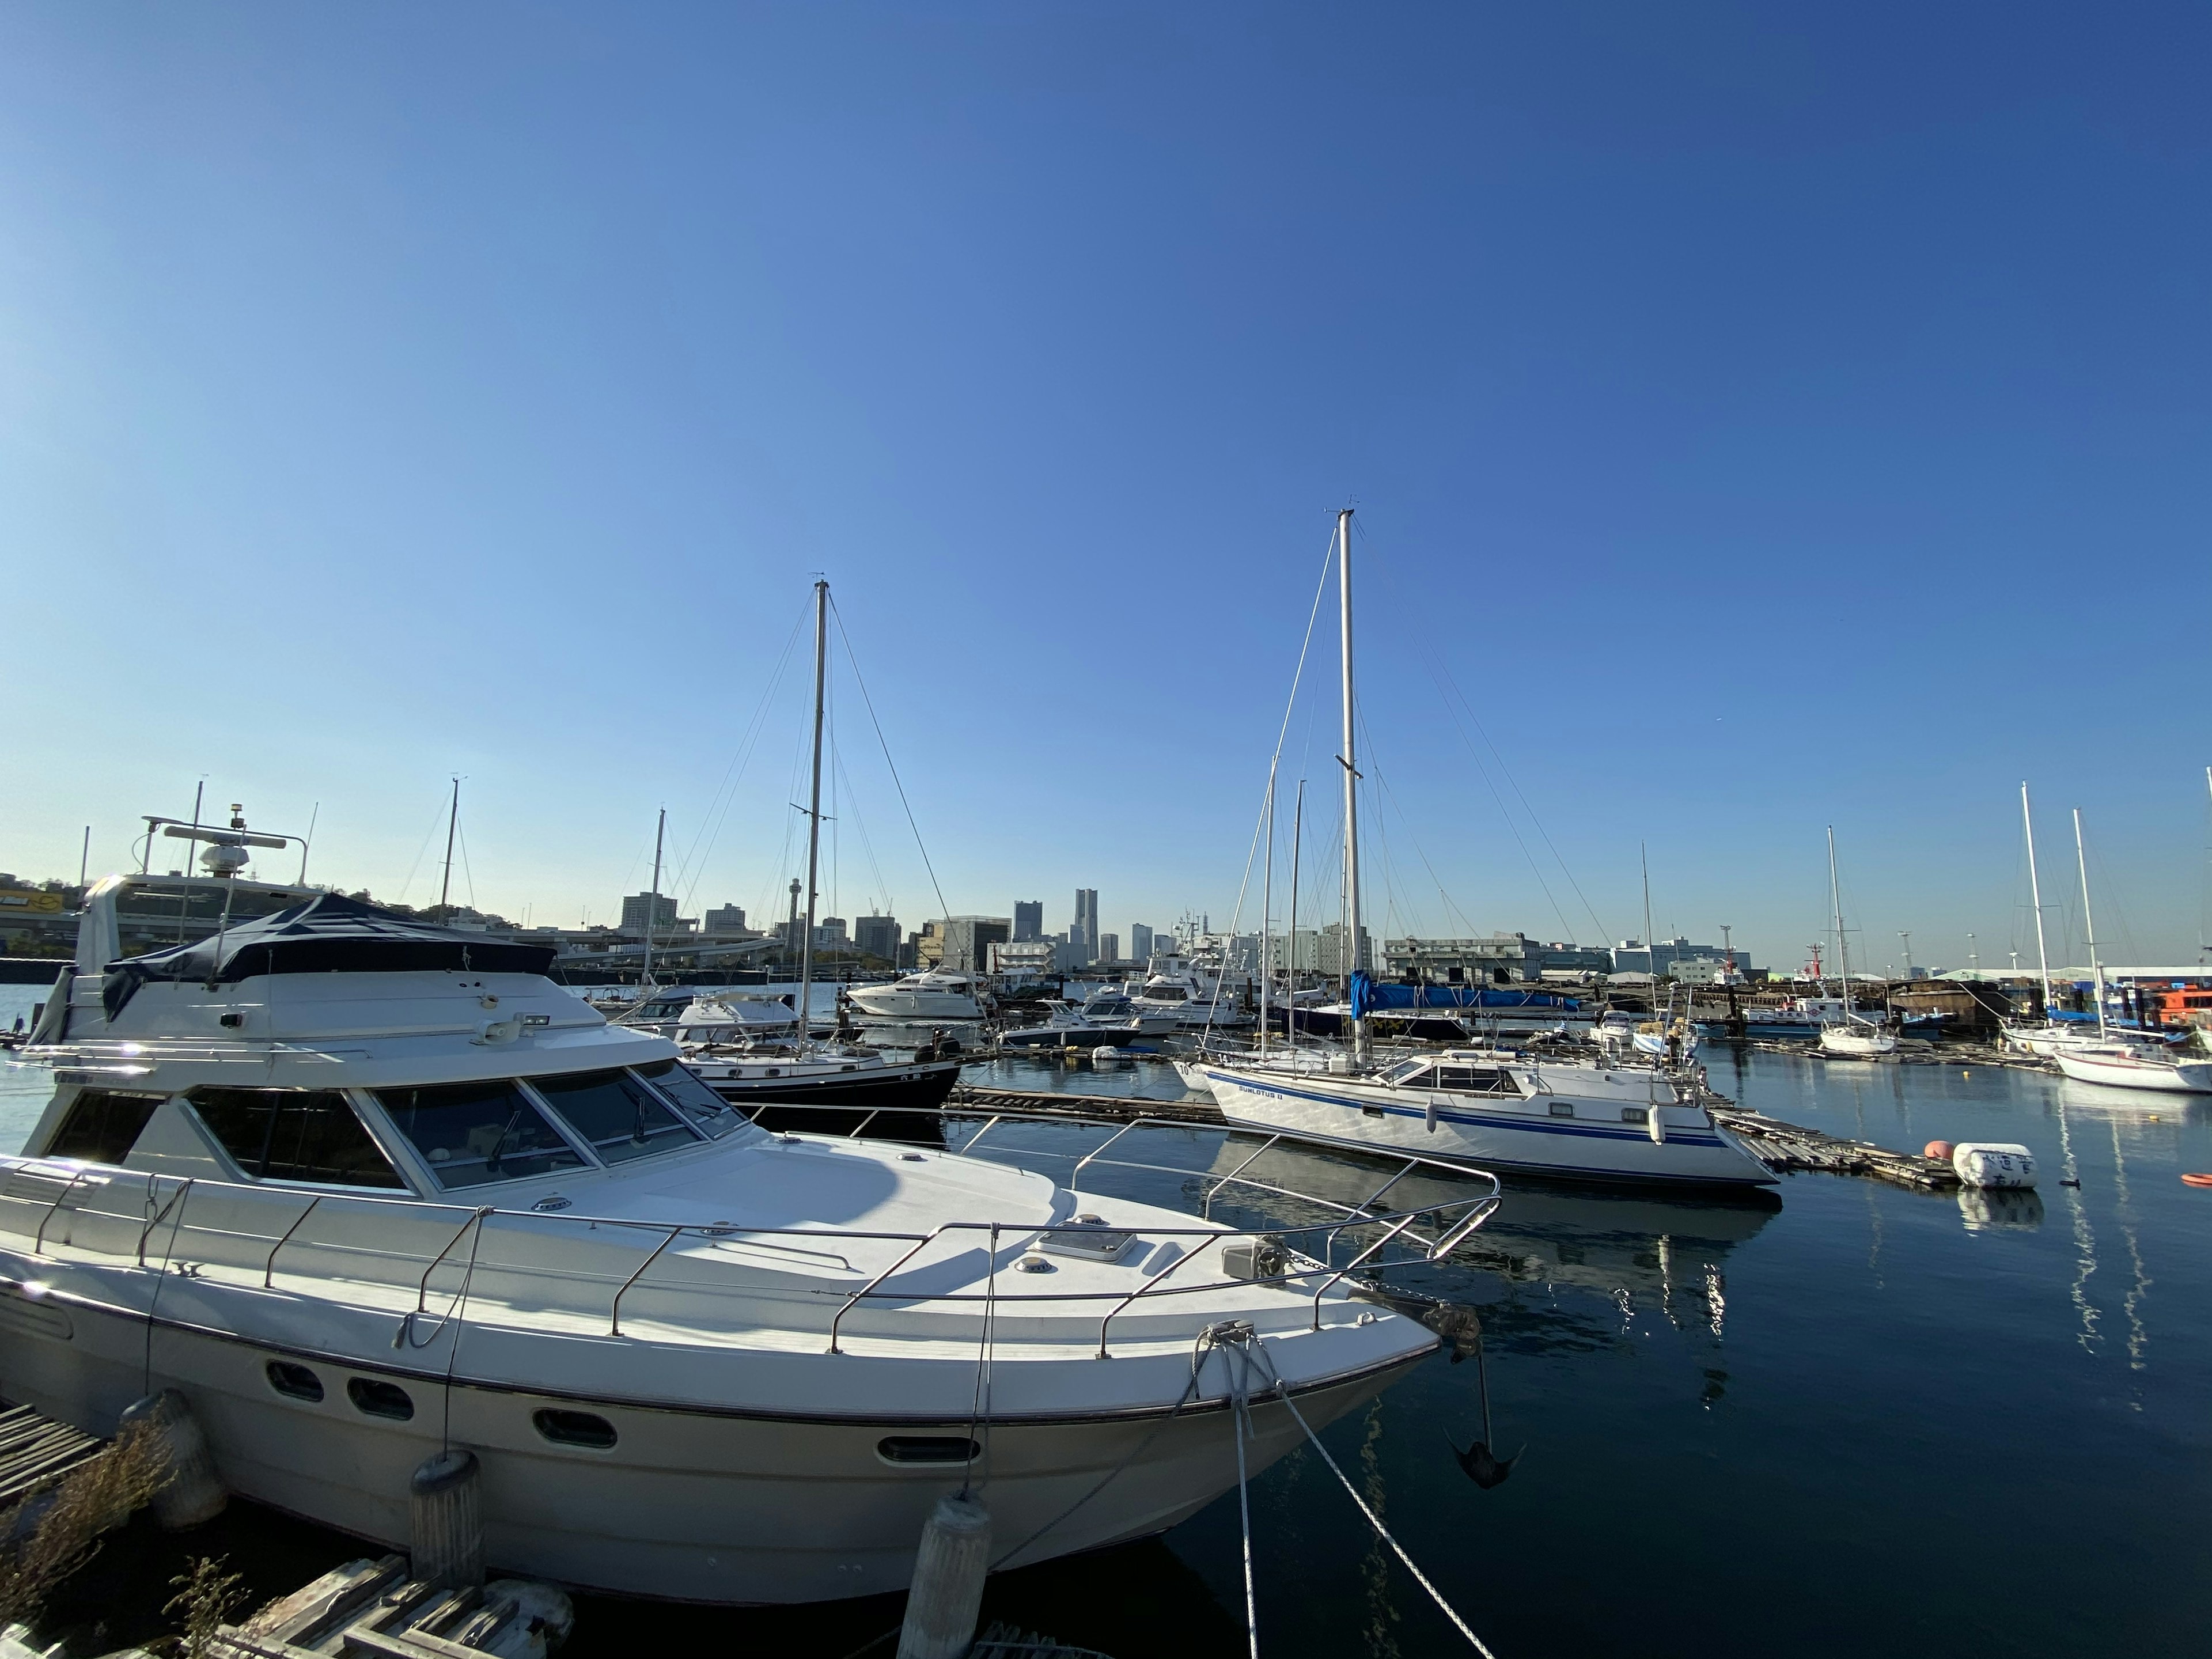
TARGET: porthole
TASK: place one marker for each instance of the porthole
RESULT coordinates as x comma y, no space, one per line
375,1398
927,1448
1563,1109
1634,1115
294,1381
574,1429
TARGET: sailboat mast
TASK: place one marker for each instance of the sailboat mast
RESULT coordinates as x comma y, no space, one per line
1650,948
1267,914
452,823
2090,923
814,809
653,899
1836,899
2035,893
1350,759
1290,979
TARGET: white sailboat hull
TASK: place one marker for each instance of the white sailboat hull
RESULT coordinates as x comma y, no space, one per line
1596,1142
1850,1044
2125,1071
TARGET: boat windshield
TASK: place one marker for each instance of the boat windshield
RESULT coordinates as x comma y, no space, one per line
616,1113
1407,1072
308,1135
470,1133
697,1100
1166,994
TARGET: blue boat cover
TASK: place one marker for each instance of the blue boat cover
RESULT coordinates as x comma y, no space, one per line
329,933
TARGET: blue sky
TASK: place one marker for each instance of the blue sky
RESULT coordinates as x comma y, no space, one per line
1767,418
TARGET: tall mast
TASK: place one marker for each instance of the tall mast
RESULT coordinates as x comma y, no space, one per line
653,901
1290,979
813,810
1650,945
1842,946
452,822
1350,763
2090,923
1268,913
2035,892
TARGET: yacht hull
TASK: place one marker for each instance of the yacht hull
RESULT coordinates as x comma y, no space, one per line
841,1105
889,1002
690,1504
2188,1077
1375,1118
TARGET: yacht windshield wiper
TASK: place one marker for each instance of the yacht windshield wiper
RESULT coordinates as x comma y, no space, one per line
499,1147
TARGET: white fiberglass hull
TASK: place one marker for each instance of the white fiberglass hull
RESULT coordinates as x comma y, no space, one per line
1857,1045
1596,1143
890,1002
691,1505
2192,1077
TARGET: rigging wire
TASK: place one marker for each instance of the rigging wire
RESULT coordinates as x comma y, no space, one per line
852,662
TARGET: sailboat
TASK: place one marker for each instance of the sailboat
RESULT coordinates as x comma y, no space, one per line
837,1088
1489,1107
2121,1065
1852,1036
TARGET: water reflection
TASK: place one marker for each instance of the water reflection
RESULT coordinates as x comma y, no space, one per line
1993,1209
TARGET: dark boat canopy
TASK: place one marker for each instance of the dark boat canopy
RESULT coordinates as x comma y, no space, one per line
329,933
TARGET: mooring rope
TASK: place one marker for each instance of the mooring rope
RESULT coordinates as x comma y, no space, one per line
1373,1520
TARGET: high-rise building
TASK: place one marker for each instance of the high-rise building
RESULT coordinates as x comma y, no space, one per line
830,933
965,941
1084,935
1140,942
1028,921
725,919
636,907
877,936
1109,947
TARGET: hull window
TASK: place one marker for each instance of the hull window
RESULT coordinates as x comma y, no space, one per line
102,1126
927,1448
294,1134
294,1381
619,1116
470,1133
374,1398
574,1429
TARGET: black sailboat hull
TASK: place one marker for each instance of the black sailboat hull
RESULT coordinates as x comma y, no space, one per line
897,1103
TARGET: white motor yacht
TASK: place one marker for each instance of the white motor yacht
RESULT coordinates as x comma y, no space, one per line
734,1016
934,994
1180,996
360,1190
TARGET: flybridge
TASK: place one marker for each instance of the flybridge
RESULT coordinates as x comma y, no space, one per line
328,933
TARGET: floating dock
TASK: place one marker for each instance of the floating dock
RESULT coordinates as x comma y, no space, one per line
35,1450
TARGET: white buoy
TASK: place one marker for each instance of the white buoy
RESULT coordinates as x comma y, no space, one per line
1993,1164
948,1580
445,1522
193,1492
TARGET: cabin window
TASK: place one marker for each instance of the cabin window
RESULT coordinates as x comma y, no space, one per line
294,1134
376,1399
1475,1079
1635,1115
619,1116
698,1102
1563,1109
102,1125
472,1132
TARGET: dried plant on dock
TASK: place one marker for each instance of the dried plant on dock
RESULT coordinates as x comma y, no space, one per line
54,1532
206,1597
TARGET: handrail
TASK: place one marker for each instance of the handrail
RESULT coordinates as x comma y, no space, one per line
840,1317
39,1240
269,1267
1457,1218
614,1325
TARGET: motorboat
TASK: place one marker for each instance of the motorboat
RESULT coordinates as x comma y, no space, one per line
1094,1023
935,993
359,1189
1112,1004
1179,996
2123,1066
1610,1120
731,1017
759,1076
1621,1032
1790,1018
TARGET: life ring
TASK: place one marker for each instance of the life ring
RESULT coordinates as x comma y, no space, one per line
2197,1181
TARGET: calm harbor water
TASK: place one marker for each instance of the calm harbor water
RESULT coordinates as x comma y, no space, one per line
1853,1419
